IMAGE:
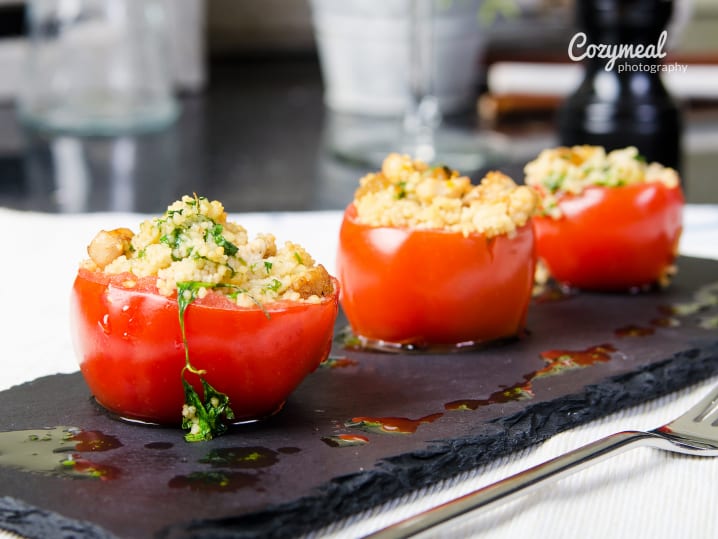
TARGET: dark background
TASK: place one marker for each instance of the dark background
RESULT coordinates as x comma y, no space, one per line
258,136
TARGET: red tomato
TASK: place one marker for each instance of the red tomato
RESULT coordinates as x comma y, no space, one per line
131,355
612,238
433,287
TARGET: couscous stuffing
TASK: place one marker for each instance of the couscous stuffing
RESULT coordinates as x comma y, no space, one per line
194,241
410,193
570,170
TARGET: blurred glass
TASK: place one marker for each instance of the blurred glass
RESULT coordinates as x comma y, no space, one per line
98,67
424,132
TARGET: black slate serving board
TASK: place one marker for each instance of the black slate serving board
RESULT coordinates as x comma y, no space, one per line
286,475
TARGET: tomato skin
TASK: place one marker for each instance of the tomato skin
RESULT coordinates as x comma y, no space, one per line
130,350
433,287
612,238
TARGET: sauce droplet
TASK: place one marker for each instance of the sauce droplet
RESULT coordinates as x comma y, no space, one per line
392,425
633,331
94,440
338,362
76,466
666,322
571,359
345,440
517,392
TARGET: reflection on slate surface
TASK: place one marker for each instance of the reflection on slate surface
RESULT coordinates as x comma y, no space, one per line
411,419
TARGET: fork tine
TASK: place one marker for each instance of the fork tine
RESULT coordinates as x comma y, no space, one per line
707,407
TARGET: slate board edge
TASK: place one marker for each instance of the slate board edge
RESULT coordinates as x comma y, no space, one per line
34,523
399,475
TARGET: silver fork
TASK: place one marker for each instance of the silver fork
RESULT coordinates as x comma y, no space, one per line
693,433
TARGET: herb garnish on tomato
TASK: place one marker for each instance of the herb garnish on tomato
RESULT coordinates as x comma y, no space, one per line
202,419
234,363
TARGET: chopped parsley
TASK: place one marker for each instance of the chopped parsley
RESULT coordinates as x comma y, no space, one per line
274,285
237,290
172,240
203,419
169,214
554,182
215,233
401,193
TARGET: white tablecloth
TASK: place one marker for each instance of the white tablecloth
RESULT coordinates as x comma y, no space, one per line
642,493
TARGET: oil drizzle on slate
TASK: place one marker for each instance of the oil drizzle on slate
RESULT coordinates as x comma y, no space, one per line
666,322
633,331
58,451
240,457
703,299
338,362
159,445
558,361
391,425
228,480
345,440
708,322
214,481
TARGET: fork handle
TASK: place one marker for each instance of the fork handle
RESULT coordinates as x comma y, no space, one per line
520,483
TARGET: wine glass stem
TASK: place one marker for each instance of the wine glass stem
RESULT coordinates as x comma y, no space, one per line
422,115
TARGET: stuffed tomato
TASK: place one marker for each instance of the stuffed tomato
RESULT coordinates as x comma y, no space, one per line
426,260
610,222
189,319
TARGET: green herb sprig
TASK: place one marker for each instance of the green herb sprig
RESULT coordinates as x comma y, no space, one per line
215,232
203,419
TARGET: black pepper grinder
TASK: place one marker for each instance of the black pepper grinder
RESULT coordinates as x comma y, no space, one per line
623,102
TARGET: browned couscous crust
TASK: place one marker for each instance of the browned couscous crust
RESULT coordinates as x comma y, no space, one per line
410,193
108,245
315,282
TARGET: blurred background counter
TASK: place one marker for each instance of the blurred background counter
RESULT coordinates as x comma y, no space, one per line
254,131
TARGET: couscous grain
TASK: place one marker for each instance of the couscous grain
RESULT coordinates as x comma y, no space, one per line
194,241
563,170
410,193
